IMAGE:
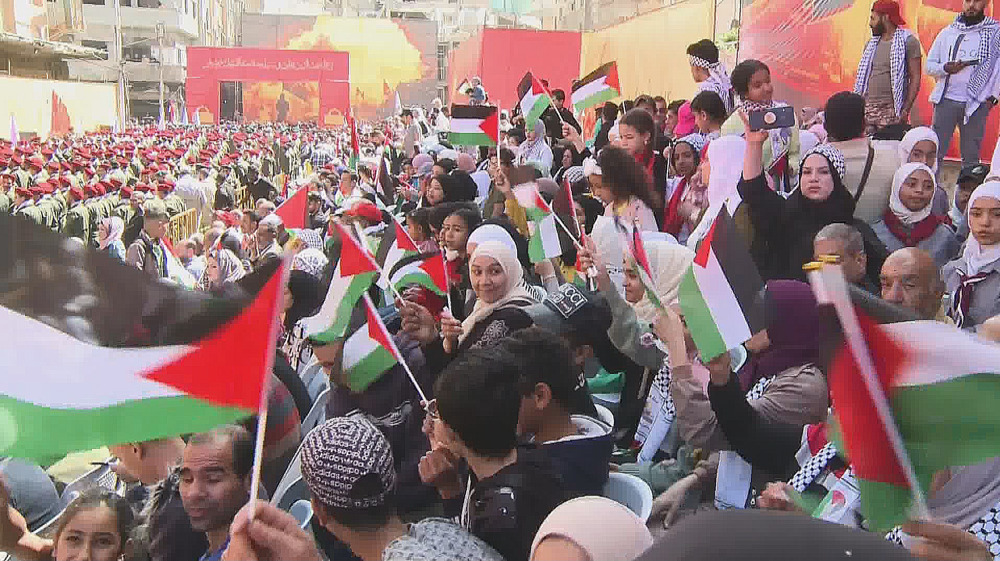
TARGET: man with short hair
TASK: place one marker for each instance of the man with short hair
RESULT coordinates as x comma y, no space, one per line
266,238
869,167
912,280
963,60
551,116
347,464
847,243
318,218
147,253
348,188
215,482
889,71
475,419
258,187
264,207
411,138
709,72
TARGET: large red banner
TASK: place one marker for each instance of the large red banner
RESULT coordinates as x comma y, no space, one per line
283,75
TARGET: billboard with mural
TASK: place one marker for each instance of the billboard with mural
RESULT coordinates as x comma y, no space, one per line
278,85
387,55
49,107
813,48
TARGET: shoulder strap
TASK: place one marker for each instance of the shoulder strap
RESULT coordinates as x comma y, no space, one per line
867,172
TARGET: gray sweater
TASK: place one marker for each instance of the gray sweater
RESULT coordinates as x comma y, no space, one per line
943,244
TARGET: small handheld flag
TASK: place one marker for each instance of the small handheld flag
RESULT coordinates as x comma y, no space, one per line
597,87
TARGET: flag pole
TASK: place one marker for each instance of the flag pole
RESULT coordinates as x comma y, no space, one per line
361,239
402,361
258,451
447,284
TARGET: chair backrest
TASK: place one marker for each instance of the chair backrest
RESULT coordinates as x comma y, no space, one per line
292,475
317,414
605,414
302,511
102,476
630,491
317,384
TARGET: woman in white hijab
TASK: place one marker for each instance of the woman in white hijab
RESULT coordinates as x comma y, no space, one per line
920,145
973,280
590,529
109,237
534,150
909,220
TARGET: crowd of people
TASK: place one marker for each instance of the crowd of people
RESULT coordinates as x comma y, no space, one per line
495,446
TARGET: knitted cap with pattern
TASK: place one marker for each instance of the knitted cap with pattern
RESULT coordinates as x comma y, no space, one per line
347,463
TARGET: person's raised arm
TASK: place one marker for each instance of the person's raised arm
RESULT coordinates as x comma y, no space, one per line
753,159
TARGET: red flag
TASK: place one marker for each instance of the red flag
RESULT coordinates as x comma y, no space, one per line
293,211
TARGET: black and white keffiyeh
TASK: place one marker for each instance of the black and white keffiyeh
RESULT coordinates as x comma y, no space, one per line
897,67
989,48
832,155
813,467
986,529
718,80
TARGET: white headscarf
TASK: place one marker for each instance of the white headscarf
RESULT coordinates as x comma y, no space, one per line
911,138
905,215
606,530
491,232
115,227
807,141
514,289
976,256
725,156
668,263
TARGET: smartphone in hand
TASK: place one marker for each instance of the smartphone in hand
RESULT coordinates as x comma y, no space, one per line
774,118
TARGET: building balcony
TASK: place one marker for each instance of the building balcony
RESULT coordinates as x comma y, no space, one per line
150,72
143,20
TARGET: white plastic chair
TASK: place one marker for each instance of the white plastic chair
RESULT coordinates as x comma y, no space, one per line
292,478
302,511
317,384
630,491
317,414
605,414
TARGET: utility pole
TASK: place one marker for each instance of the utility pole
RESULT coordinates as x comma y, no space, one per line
160,32
120,52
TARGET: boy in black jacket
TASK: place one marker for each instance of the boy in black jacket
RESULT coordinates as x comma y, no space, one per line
510,490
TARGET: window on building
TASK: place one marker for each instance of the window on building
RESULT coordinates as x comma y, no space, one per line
148,3
94,2
138,53
442,60
125,3
102,45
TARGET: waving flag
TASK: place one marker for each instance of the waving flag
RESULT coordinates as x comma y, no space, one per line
424,269
368,347
906,409
354,273
474,125
355,145
597,87
718,291
544,241
294,211
637,252
396,244
121,365
534,99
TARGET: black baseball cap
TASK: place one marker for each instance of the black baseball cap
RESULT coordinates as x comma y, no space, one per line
974,172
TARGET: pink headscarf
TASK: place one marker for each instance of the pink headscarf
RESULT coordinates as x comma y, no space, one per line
685,121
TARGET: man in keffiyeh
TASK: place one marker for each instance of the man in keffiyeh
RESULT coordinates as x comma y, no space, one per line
963,61
889,71
709,72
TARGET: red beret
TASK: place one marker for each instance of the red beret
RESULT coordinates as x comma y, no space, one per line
126,192
76,192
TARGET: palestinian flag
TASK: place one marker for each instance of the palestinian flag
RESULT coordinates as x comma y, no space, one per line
95,352
637,251
718,291
395,245
544,241
424,269
384,184
368,348
465,87
355,271
355,145
474,125
597,87
910,399
295,210
534,99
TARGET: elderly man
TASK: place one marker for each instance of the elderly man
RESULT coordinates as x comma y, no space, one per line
148,253
911,280
847,243
266,237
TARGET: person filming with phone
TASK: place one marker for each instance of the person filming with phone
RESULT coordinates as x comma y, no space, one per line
963,61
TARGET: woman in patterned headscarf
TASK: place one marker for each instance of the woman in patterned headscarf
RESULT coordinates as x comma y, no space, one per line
784,228
223,267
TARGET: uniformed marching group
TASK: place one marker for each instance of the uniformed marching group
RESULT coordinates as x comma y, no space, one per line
71,184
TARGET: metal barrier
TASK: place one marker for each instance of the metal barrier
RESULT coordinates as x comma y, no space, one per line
243,199
183,225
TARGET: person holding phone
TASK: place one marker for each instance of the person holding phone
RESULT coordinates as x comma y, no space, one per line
963,61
